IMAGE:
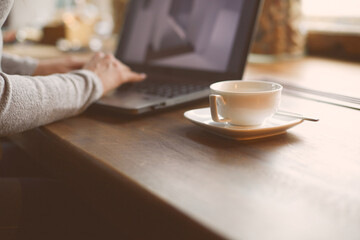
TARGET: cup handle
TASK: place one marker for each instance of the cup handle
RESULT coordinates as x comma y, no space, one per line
213,98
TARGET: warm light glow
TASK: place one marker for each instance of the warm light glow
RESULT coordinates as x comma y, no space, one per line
331,8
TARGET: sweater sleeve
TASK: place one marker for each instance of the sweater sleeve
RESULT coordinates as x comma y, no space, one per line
27,102
12,64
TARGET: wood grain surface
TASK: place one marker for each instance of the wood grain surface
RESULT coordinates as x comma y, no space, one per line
161,177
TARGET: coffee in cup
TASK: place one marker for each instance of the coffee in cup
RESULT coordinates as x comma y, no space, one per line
244,103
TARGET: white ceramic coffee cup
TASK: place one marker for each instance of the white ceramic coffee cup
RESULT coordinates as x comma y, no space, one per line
244,102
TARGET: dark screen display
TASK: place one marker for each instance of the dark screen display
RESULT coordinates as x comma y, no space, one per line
186,34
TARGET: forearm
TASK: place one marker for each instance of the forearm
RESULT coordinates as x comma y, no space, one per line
28,102
12,64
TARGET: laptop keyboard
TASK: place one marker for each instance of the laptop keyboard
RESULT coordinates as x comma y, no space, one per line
166,89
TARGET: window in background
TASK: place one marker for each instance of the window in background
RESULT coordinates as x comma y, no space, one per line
332,15
333,28
332,8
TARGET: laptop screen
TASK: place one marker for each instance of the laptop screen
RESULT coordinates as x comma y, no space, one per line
195,34
209,39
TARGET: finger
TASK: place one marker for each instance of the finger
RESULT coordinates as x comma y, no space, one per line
117,61
135,77
98,56
108,56
123,66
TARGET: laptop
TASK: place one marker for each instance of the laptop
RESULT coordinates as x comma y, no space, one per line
183,46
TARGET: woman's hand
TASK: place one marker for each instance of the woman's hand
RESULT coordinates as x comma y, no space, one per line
112,72
59,65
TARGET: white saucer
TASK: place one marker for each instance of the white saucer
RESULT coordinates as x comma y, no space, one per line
276,125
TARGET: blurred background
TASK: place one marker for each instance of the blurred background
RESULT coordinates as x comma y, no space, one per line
287,28
71,25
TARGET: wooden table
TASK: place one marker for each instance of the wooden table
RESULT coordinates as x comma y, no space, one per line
161,177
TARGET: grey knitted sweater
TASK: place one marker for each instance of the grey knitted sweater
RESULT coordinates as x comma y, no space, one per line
27,102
